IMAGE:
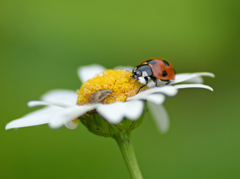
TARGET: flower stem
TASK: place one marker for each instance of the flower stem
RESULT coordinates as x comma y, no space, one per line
126,147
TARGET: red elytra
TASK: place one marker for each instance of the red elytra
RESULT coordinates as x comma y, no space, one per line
162,69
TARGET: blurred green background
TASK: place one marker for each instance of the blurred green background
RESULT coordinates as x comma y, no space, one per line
42,43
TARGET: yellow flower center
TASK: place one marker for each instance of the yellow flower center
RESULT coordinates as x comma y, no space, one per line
117,80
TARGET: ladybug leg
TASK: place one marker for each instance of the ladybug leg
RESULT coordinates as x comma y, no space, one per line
168,82
155,81
146,79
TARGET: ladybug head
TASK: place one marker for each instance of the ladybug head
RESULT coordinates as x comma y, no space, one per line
136,73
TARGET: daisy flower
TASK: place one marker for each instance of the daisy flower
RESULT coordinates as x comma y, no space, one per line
65,107
108,105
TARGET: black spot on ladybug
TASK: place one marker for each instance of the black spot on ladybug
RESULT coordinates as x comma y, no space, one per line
152,62
164,73
165,63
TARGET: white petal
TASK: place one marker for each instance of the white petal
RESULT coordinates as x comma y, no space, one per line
62,96
71,124
45,103
161,117
38,117
193,86
196,79
133,109
115,112
166,90
112,112
68,114
156,98
153,98
87,72
191,77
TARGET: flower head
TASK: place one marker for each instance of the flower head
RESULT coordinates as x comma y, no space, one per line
118,81
107,102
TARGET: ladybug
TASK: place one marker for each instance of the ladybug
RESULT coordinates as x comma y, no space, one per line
155,68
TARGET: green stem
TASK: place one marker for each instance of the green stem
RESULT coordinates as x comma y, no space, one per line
126,147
